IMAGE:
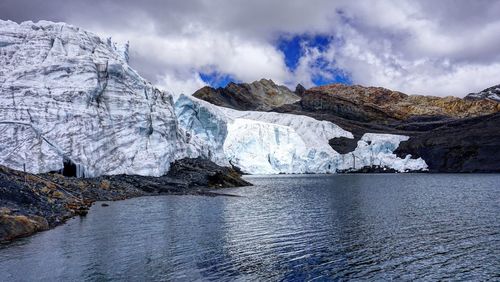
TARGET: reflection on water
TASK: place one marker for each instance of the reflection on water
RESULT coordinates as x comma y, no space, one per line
402,227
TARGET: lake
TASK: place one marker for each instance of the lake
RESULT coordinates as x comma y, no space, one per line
298,227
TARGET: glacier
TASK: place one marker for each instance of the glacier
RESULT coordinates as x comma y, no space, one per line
272,143
68,96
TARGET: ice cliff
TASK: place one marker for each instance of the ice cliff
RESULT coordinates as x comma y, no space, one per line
270,143
66,95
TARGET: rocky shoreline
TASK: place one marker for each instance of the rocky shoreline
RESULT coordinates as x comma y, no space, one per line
30,203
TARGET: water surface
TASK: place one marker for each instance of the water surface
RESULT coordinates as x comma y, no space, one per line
381,226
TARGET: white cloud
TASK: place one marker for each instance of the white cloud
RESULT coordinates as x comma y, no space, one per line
403,50
307,67
203,50
417,46
180,84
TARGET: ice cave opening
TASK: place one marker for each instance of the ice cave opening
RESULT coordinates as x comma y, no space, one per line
69,168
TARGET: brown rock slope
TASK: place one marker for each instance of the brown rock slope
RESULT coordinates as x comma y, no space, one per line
384,103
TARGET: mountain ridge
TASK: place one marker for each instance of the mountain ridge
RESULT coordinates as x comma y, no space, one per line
388,103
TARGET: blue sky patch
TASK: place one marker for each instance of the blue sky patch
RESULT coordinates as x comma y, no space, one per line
336,76
292,47
216,79
329,74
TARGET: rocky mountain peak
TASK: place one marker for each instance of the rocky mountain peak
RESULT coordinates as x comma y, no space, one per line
299,90
491,93
263,94
265,81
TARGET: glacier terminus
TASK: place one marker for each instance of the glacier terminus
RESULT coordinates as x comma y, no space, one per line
70,96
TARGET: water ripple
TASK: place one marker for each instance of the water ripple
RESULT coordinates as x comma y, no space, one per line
306,228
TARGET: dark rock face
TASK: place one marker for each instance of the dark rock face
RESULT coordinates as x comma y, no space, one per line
202,172
465,145
344,145
225,97
260,95
31,203
300,90
318,101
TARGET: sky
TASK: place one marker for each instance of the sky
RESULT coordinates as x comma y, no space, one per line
446,47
